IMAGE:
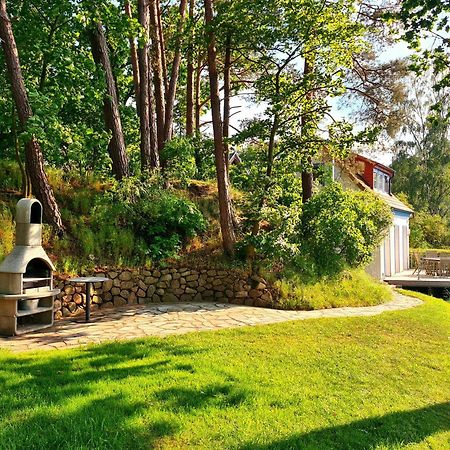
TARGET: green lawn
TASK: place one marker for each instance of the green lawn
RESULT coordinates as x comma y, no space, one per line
358,383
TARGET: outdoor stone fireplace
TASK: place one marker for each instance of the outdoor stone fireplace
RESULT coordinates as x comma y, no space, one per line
26,276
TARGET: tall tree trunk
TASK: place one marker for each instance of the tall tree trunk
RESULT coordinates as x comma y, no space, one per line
197,88
170,100
154,152
133,57
307,174
116,147
33,153
226,222
143,100
190,78
163,46
226,97
149,150
157,66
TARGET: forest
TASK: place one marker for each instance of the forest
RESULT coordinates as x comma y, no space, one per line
127,120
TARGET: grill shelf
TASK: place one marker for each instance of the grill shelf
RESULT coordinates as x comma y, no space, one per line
31,295
38,310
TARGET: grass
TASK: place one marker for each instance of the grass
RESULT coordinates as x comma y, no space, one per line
356,383
350,288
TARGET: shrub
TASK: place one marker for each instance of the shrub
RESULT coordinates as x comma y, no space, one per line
158,221
10,178
6,231
342,228
204,157
428,230
178,159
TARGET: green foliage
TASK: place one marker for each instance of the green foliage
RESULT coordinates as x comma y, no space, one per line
422,22
349,288
147,220
429,231
334,230
178,159
10,177
422,162
7,231
283,190
342,228
204,157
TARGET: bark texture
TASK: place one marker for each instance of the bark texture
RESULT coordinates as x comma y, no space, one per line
149,151
172,91
226,222
190,78
157,67
116,147
133,57
227,96
33,153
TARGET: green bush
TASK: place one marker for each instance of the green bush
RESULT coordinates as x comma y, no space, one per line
204,157
342,228
142,218
429,231
7,231
336,229
10,177
178,159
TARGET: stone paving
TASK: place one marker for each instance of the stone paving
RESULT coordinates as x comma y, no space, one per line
161,320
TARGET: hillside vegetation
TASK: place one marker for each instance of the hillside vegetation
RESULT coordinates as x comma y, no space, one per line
138,224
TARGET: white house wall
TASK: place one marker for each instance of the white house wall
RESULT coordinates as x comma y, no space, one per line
401,220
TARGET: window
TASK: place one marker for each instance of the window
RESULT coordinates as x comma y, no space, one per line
381,181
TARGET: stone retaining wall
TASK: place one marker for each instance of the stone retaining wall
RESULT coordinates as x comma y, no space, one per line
131,286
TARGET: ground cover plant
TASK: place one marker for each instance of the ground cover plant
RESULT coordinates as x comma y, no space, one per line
348,288
361,383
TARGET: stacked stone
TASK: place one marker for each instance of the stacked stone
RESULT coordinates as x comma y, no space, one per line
131,286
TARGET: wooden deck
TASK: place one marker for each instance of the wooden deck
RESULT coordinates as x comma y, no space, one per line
407,279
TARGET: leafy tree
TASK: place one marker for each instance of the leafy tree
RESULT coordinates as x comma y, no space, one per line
298,52
424,22
225,209
34,158
429,230
422,163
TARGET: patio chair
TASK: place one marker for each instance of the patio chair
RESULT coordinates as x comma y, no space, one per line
416,262
444,267
432,268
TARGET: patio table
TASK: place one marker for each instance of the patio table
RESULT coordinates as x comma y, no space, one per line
434,259
88,281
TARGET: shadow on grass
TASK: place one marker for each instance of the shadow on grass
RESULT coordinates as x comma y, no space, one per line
97,397
63,400
182,399
391,430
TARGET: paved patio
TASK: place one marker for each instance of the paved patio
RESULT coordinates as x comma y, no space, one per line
165,319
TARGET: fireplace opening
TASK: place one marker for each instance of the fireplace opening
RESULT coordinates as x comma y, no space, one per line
37,268
36,213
